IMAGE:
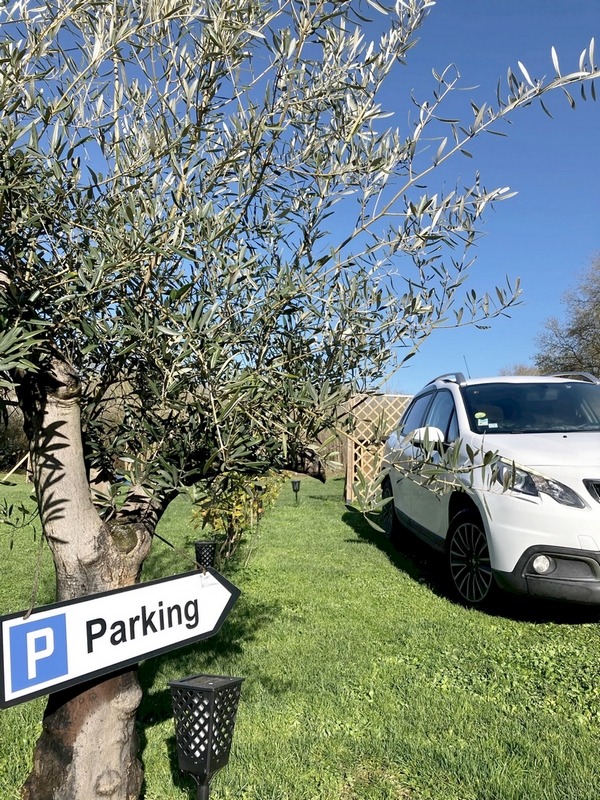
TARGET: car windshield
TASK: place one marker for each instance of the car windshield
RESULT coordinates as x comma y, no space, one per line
533,407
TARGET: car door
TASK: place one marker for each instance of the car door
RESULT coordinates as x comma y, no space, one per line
429,500
401,453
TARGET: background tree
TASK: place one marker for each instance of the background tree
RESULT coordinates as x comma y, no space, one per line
208,240
573,345
519,369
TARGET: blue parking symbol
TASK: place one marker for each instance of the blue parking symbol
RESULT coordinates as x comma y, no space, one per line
38,651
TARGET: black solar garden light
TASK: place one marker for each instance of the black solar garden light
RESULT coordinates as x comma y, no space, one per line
259,490
205,554
296,488
204,707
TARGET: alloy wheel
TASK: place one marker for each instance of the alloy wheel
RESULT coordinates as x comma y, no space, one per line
469,562
387,515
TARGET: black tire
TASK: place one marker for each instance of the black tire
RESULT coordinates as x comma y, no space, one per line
468,559
387,517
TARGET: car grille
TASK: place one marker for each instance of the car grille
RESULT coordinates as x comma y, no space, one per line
593,488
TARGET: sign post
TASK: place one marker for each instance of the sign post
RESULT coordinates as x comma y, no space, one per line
68,643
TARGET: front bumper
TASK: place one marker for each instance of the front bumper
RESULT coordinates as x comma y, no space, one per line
575,577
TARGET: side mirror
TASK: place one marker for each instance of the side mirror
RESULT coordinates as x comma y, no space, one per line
427,436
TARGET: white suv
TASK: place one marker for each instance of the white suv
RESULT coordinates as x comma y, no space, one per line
530,521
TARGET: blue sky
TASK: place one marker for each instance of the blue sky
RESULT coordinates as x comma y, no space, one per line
549,233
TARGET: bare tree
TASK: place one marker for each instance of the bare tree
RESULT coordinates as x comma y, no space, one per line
209,239
519,369
573,345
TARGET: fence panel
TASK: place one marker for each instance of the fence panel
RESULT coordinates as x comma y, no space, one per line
371,419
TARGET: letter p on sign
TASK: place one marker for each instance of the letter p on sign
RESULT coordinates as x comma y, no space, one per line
35,653
38,652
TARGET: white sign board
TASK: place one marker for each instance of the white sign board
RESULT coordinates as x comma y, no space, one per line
66,643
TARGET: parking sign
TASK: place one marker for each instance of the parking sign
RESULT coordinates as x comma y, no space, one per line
66,643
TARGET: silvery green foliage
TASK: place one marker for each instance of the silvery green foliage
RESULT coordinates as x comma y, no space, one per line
206,209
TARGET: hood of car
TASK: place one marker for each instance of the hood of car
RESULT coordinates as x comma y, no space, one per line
539,450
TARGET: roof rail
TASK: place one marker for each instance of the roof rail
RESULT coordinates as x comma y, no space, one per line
582,376
451,377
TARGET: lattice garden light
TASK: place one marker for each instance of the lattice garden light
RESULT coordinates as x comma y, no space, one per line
205,554
259,490
204,707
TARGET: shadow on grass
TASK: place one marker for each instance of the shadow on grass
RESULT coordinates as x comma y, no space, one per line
317,498
426,566
407,552
165,559
538,611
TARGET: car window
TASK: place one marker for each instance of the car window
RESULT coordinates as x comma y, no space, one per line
452,434
533,407
440,412
415,414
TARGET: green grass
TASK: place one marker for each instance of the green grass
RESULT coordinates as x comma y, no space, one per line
363,681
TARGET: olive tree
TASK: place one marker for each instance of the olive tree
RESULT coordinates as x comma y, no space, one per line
211,235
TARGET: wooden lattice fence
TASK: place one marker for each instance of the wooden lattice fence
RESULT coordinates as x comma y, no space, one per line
371,419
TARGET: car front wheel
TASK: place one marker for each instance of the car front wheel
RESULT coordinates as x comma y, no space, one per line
387,517
469,564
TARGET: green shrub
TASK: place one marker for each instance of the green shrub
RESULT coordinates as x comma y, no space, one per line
13,442
231,507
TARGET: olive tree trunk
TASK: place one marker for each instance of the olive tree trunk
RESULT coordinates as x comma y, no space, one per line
88,746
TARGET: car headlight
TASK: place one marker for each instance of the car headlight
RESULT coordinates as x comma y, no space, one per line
519,480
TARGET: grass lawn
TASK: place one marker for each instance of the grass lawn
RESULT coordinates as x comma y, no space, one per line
363,681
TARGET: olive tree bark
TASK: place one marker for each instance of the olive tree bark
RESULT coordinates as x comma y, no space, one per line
88,747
